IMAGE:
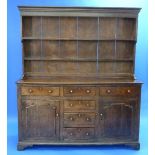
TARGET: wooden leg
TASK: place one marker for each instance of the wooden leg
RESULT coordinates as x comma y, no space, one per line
135,146
21,147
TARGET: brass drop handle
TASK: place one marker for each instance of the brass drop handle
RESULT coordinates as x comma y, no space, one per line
71,104
30,90
108,91
79,115
87,134
50,91
129,91
88,91
57,115
71,91
87,104
87,119
71,118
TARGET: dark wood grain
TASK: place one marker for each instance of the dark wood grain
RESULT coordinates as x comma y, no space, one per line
78,85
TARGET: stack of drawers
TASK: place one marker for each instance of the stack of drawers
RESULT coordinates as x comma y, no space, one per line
79,114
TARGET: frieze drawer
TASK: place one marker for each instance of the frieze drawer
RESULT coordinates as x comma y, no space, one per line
116,91
41,91
79,91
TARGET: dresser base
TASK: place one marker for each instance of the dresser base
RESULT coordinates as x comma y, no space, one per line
23,145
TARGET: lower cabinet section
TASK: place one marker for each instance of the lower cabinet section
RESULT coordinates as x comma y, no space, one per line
39,119
82,120
118,119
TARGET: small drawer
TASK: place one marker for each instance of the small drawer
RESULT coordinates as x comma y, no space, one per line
79,105
78,133
79,119
79,91
116,91
40,91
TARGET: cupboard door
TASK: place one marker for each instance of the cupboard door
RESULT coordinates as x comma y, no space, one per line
117,119
40,119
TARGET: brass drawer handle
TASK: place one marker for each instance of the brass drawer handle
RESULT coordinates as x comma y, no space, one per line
87,119
129,91
88,91
87,104
50,91
57,115
108,91
71,105
71,133
71,91
79,115
87,134
101,114
71,118
30,90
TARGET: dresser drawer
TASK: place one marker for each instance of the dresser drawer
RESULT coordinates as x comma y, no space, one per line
79,119
116,91
78,133
79,91
41,91
79,105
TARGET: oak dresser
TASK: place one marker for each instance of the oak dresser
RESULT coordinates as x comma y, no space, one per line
78,85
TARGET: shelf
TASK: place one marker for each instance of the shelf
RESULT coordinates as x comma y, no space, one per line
73,59
78,39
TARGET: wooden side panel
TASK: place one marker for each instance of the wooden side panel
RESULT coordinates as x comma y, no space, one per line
32,48
126,28
31,26
32,66
27,26
125,50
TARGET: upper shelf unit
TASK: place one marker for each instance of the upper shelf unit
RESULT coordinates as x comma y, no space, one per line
75,41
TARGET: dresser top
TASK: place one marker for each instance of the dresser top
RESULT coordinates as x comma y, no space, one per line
68,81
78,11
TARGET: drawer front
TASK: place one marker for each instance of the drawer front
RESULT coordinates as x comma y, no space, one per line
79,119
79,105
41,91
78,133
79,91
116,91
